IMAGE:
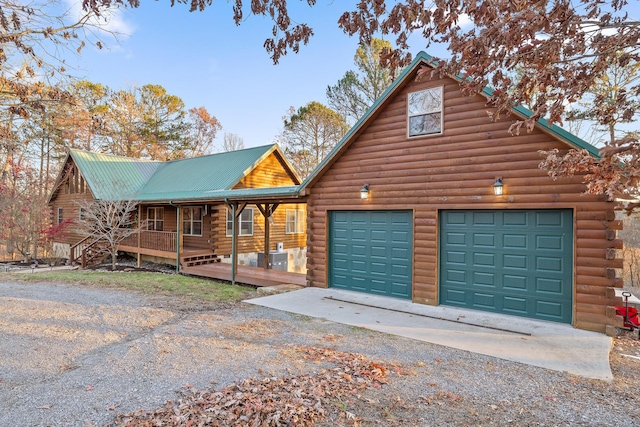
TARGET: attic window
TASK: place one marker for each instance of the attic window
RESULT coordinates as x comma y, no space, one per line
424,112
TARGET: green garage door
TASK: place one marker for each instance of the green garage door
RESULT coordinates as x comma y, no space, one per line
371,251
512,262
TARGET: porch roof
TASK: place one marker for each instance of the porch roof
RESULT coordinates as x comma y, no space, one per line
245,194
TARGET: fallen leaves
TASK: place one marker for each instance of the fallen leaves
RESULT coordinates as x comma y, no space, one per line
298,400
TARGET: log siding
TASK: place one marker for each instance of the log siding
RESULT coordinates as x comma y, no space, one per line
456,170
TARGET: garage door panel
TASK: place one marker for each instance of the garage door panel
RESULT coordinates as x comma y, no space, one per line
514,283
549,242
379,251
484,279
516,262
484,259
482,219
484,240
459,239
550,219
484,300
515,219
514,241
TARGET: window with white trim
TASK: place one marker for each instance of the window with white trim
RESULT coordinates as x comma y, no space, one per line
60,218
295,221
155,219
192,221
424,112
245,222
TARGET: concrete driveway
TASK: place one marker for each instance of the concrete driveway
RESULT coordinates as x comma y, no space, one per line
545,344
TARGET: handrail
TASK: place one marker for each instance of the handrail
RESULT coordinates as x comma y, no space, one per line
86,248
72,250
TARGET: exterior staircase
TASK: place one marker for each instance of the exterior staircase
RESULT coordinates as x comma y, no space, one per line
89,253
193,259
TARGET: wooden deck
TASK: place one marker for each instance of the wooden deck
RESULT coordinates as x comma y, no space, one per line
255,276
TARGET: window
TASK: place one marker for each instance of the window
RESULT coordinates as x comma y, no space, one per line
83,214
424,109
295,221
245,222
155,219
60,219
192,221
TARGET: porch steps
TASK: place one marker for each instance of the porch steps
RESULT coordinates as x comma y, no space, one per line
199,259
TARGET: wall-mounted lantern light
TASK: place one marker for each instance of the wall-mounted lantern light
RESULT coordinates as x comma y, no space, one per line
364,192
498,186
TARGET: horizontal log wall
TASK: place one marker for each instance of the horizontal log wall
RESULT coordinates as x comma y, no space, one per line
70,211
456,170
270,172
255,243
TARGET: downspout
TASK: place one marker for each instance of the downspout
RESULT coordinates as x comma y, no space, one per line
177,236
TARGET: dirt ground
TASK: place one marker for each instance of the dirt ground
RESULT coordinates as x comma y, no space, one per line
84,356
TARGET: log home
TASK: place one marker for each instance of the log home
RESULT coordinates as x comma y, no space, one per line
187,206
428,199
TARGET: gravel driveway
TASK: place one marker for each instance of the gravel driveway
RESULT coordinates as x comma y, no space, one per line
76,356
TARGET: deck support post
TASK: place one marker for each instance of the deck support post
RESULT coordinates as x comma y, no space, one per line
267,211
139,260
234,243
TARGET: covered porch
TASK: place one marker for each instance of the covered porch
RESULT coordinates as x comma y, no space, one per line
255,276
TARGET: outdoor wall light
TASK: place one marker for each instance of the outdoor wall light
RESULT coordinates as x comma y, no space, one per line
364,192
498,186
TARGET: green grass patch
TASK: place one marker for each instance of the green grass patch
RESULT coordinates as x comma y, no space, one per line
148,283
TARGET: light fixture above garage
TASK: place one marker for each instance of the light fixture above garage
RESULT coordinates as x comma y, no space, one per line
498,186
364,192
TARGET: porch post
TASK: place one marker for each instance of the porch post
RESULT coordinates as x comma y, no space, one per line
234,243
178,238
267,216
139,234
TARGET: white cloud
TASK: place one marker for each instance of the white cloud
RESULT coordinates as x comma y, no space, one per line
112,20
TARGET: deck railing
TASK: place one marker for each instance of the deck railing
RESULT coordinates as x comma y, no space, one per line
158,240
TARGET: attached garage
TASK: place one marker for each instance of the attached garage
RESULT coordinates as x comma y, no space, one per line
406,206
371,251
516,262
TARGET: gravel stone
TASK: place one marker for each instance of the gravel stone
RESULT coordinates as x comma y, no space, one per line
73,355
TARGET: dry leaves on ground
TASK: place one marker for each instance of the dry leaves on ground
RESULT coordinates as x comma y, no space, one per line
297,400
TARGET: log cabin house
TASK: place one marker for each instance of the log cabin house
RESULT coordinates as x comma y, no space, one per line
189,205
429,200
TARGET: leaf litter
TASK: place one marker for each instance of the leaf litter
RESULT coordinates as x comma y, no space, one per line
297,400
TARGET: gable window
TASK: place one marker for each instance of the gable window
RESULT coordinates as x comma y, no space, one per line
155,219
83,214
245,222
60,219
192,221
424,112
295,221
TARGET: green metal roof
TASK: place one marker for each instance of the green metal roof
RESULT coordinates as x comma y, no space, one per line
423,57
197,176
113,177
240,194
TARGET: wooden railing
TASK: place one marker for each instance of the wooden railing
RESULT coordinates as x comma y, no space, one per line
76,250
158,240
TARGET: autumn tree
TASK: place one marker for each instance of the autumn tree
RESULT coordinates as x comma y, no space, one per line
163,128
562,46
309,135
202,131
232,142
358,90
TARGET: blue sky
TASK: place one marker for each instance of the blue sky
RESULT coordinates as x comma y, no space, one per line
205,59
